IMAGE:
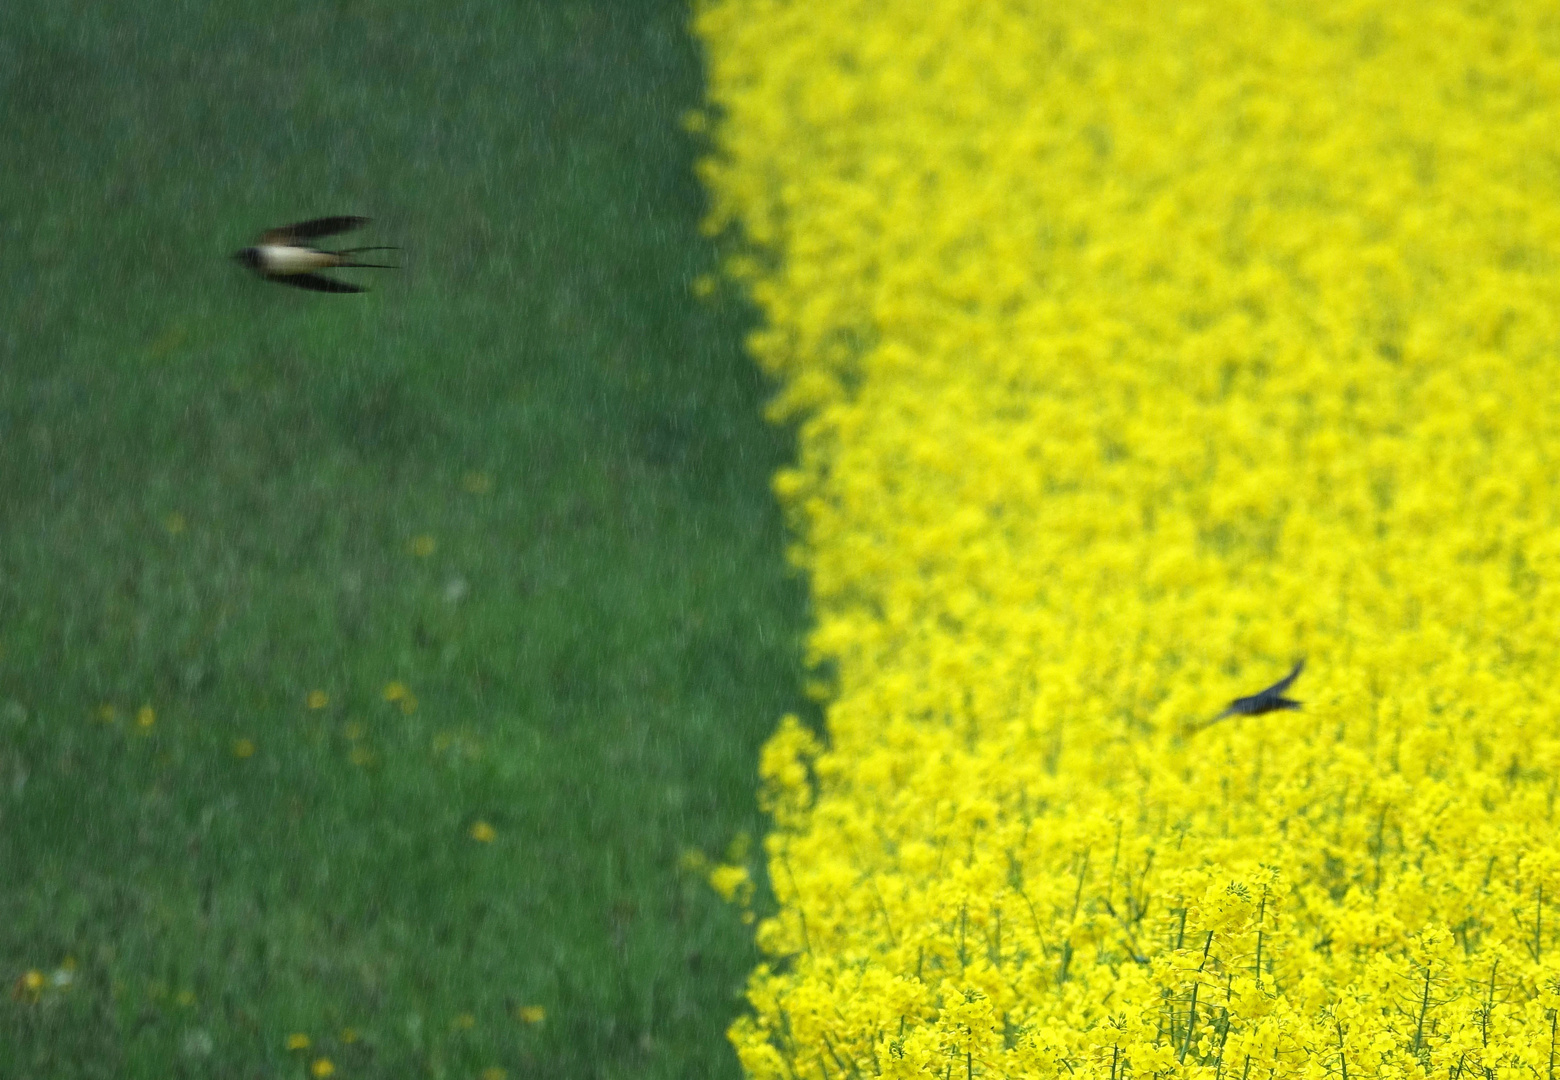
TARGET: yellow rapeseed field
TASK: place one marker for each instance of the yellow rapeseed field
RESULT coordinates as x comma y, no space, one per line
1140,349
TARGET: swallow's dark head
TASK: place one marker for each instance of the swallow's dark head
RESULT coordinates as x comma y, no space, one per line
249,257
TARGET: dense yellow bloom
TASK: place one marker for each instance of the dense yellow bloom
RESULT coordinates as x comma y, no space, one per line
531,1014
482,832
297,1041
1139,349
322,1067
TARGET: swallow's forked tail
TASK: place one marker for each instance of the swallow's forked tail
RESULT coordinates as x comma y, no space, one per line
372,266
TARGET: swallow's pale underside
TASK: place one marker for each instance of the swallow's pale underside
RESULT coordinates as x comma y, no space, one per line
286,255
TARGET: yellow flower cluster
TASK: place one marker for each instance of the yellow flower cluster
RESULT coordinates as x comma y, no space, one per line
1138,350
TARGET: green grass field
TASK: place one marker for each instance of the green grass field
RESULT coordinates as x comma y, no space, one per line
525,479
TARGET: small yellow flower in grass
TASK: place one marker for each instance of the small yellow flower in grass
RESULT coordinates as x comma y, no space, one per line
28,986
349,1035
322,1068
422,546
174,523
107,713
243,748
297,1041
483,832
476,483
732,882
703,286
145,716
354,730
395,691
465,1022
318,699
531,1014
185,998
493,1072
408,704
693,861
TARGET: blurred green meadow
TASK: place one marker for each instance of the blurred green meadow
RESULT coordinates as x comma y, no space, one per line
367,663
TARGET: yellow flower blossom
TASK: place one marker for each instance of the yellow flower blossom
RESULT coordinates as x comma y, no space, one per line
397,693
298,1041
482,832
349,1035
422,546
243,748
531,1014
465,1022
322,1067
145,717
1137,350
317,699
732,882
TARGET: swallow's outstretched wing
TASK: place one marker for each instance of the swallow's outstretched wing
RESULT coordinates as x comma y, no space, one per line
312,229
316,282
1276,690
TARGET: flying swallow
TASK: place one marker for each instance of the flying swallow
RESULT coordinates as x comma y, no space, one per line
1270,700
285,254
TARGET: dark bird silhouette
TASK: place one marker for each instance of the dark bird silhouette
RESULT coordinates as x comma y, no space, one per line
1270,700
285,255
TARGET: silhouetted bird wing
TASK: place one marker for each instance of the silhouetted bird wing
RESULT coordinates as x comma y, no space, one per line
316,282
314,227
1283,684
